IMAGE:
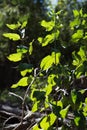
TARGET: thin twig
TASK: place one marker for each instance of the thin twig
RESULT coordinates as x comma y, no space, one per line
25,98
26,93
11,93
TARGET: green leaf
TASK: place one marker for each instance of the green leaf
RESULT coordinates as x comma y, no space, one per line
82,91
24,72
51,79
40,39
48,121
15,57
78,35
48,25
56,109
82,54
23,49
74,96
56,57
12,36
75,22
48,39
24,24
30,48
35,106
46,62
35,127
64,112
48,89
23,81
76,13
76,120
14,86
13,26
38,95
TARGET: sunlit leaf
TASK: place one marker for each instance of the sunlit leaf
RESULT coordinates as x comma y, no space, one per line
48,25
46,62
14,86
12,36
78,35
35,106
24,72
23,81
35,127
48,121
15,57
48,89
24,24
76,120
76,13
56,57
64,112
13,26
48,39
75,23
82,54
40,39
30,48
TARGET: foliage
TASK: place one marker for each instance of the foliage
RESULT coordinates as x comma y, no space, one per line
52,89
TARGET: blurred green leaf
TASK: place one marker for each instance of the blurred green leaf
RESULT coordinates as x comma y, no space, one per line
12,36
76,120
15,57
74,95
35,127
64,112
48,25
24,24
76,13
13,26
77,36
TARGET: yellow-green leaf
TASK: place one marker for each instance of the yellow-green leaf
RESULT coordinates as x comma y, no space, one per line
15,57
24,72
14,86
46,62
40,39
64,112
48,25
35,106
23,81
78,35
13,26
30,48
76,13
56,57
48,39
35,127
12,36
24,24
48,121
76,120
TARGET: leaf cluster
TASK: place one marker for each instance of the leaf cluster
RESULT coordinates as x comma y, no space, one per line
53,89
